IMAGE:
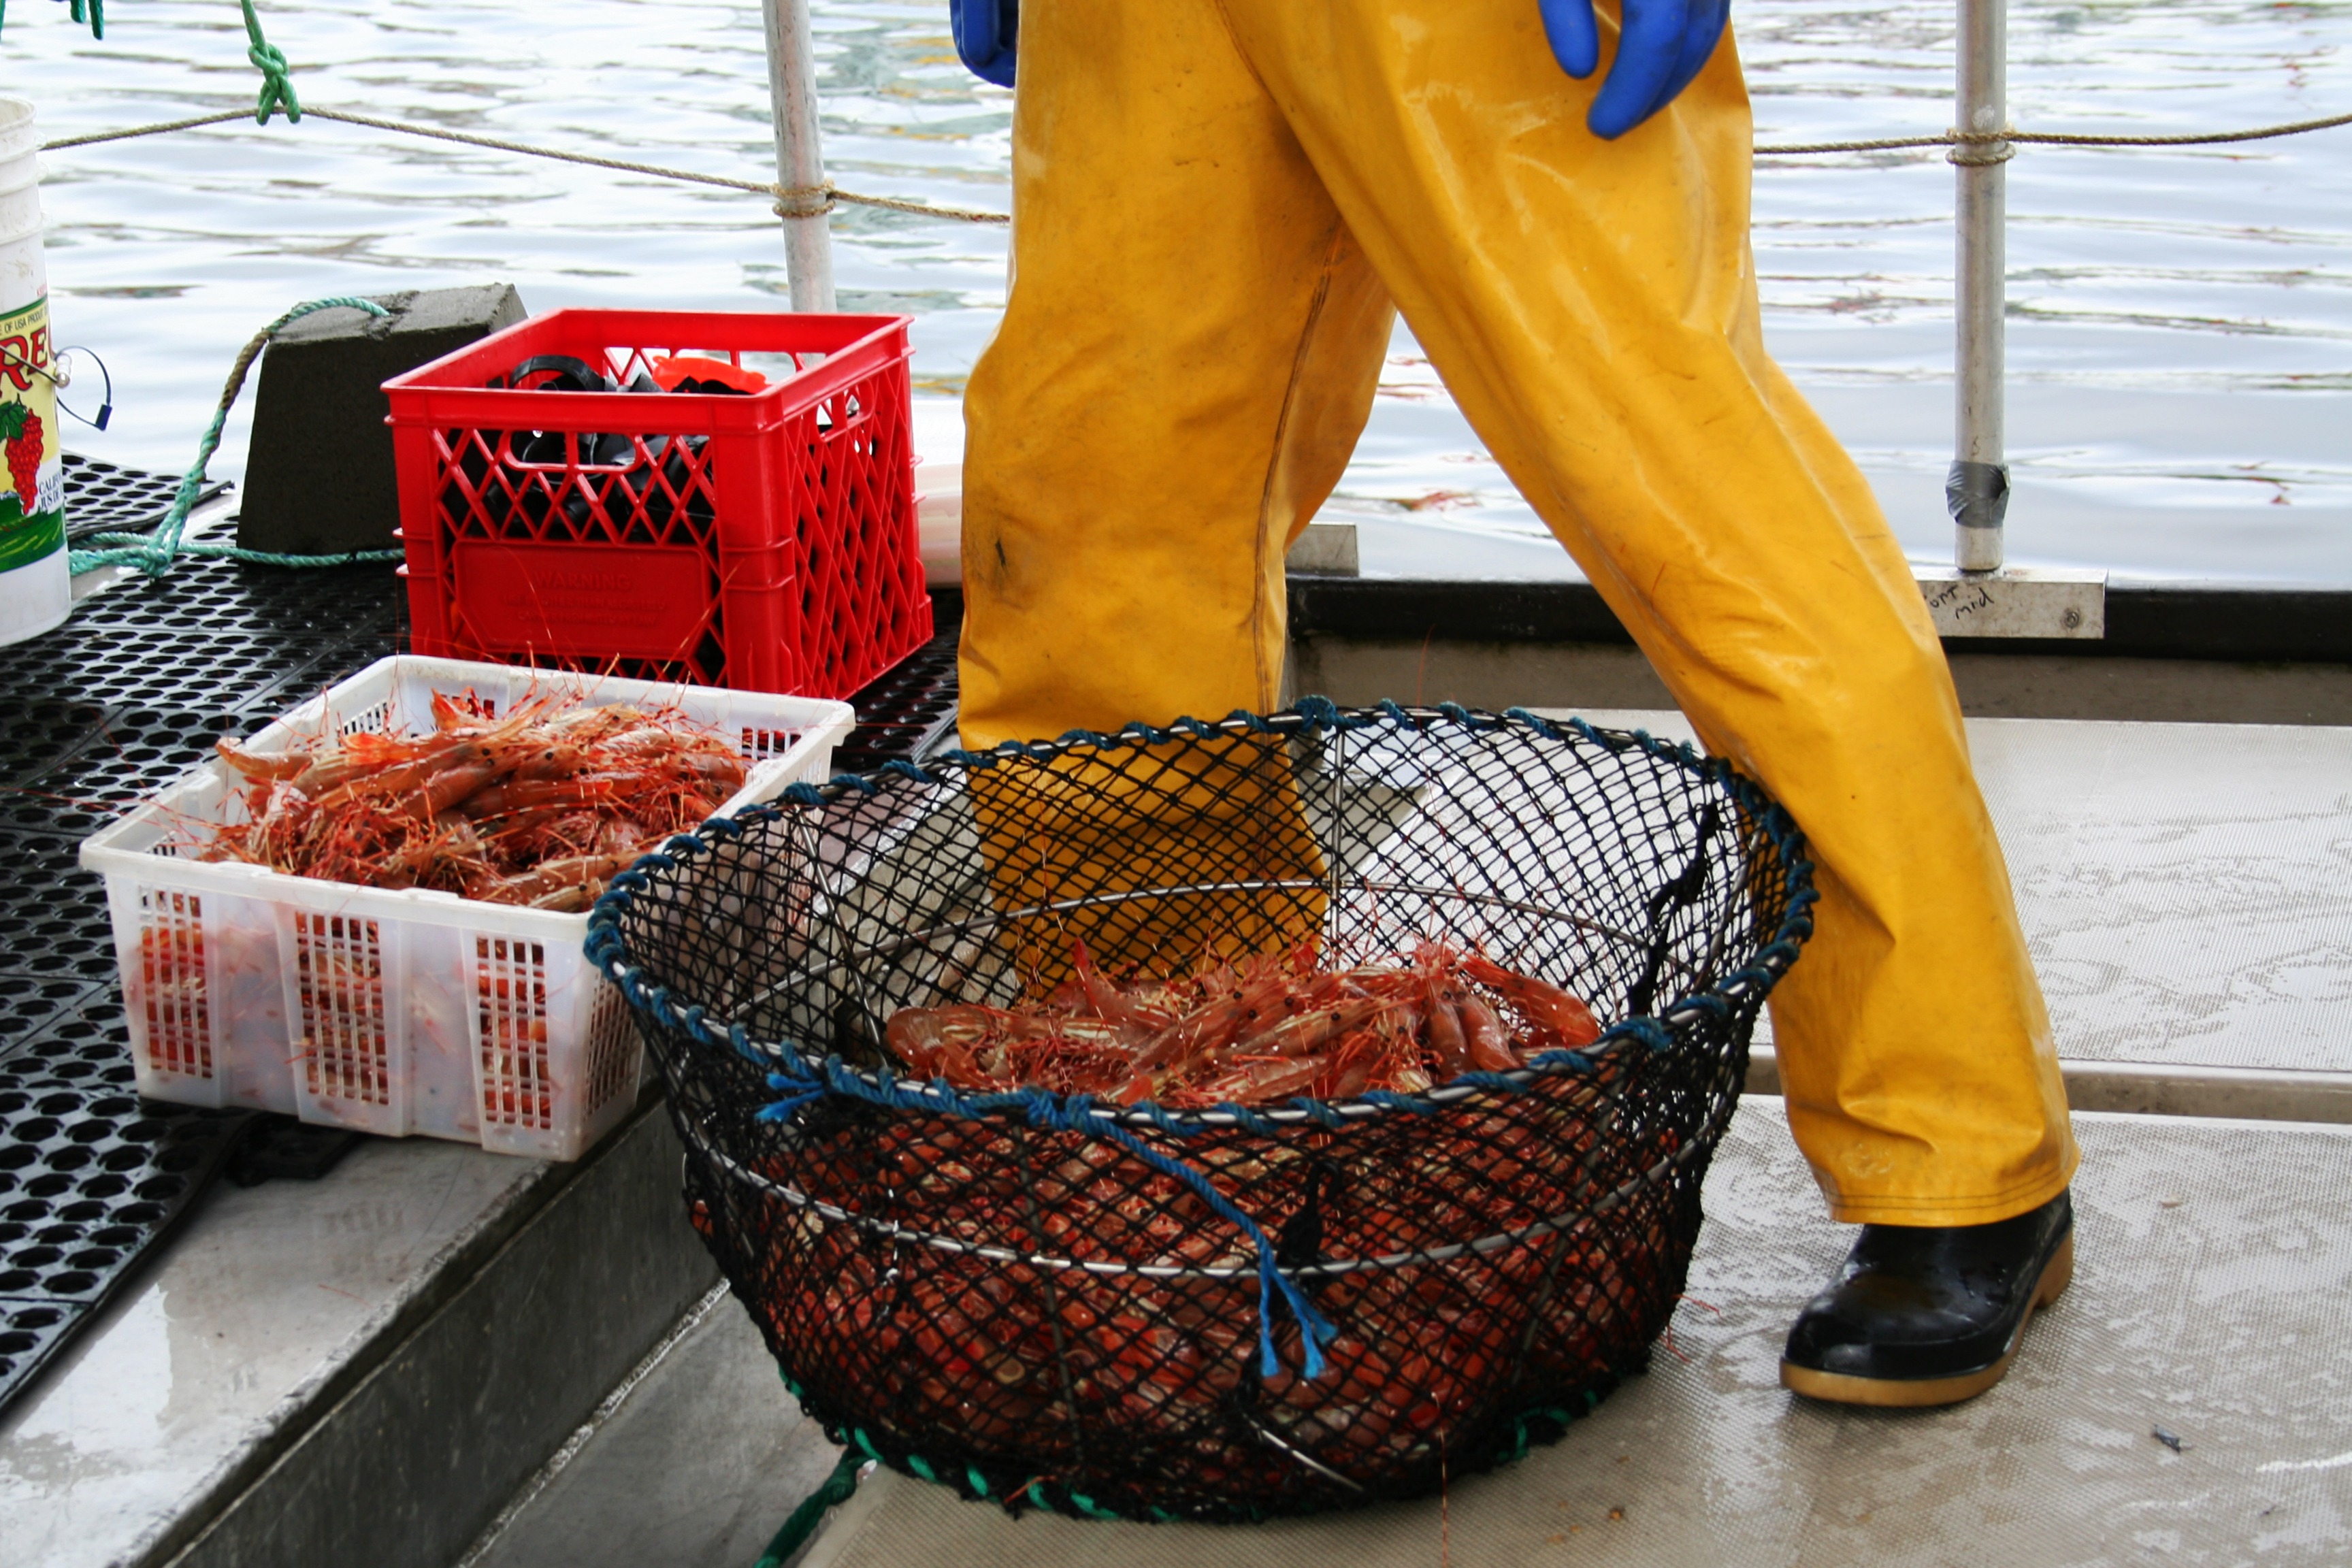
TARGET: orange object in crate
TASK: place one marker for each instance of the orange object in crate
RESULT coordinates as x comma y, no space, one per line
764,542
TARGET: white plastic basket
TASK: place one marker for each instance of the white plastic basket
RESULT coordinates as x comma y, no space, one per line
395,1011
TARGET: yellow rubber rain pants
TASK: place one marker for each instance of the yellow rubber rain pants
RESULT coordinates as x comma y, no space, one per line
1218,204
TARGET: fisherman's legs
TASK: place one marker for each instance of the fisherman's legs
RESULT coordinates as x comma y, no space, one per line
1592,306
1188,354
1189,350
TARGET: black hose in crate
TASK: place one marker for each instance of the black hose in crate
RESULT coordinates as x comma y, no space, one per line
1227,1315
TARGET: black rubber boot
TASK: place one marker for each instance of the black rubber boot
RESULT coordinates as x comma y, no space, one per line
1929,1315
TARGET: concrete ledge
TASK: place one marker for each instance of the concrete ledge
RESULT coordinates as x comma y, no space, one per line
697,1459
2007,684
1327,548
1576,677
358,1370
428,1446
2164,1089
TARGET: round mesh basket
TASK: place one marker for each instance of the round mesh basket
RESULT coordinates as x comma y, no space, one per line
1225,1313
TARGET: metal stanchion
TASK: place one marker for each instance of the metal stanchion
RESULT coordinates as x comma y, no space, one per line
1977,490
800,161
1978,596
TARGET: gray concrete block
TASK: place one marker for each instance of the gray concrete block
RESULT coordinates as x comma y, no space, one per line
695,1463
318,478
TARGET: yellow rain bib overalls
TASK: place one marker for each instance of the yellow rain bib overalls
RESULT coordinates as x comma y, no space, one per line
1218,206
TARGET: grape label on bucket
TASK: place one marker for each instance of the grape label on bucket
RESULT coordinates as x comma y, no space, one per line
32,509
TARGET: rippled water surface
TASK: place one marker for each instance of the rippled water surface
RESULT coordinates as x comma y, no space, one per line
2180,335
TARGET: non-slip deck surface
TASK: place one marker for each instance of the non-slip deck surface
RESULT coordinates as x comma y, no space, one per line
129,693
2186,888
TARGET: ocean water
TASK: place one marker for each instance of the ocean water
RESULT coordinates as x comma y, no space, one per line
2181,332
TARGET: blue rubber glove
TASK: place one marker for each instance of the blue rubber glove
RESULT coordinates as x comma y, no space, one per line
985,31
1663,45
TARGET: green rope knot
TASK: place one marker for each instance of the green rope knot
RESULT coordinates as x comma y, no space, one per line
277,87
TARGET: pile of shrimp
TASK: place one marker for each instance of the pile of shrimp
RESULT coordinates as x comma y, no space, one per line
1265,1028
540,807
1142,1340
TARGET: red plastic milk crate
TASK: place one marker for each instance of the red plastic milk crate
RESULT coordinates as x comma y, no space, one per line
763,541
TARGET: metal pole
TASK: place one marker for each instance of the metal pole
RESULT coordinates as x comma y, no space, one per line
1977,490
800,161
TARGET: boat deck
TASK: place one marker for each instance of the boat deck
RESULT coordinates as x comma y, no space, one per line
2184,890
2208,1301
373,1368
2187,889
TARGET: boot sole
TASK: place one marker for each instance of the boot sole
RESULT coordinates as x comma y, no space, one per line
1920,1393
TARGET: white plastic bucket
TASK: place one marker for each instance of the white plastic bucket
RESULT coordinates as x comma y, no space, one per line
35,593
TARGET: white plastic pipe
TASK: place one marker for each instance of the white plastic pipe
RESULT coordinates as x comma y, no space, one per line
799,160
1978,490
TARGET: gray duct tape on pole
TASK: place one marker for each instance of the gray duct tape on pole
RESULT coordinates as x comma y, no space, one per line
1977,494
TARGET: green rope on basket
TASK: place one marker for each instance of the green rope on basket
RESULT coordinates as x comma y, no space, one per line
277,87
155,553
836,1489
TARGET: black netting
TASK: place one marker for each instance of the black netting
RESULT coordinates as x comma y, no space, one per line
1099,1308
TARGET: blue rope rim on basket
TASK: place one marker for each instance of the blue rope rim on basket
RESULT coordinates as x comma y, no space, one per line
804,1082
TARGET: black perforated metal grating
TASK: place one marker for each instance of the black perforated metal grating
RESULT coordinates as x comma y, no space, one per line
128,694
909,712
56,930
103,498
89,1174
